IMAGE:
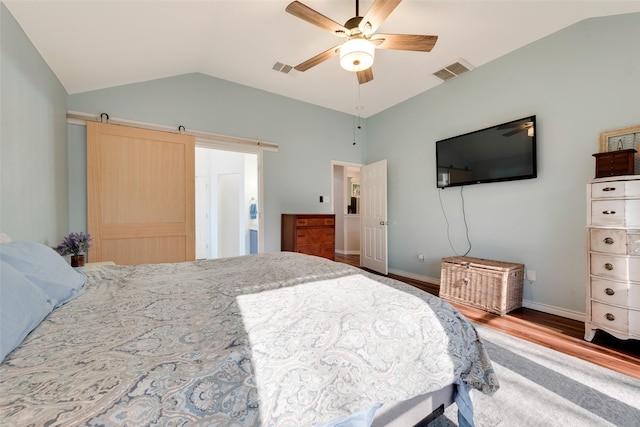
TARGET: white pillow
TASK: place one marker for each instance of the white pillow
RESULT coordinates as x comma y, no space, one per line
4,238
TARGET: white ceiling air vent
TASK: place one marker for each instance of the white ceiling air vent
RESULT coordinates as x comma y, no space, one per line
454,70
283,68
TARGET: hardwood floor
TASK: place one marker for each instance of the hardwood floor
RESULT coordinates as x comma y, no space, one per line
548,330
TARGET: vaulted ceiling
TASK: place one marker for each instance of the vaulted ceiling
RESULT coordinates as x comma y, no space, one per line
98,44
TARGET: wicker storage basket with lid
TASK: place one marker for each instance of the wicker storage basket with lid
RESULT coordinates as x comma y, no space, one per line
493,286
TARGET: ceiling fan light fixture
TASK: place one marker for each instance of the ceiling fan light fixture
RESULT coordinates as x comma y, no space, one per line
357,54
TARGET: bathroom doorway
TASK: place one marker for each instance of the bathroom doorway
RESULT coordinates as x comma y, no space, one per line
227,187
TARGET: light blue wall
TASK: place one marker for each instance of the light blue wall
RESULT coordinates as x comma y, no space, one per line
310,137
34,202
579,82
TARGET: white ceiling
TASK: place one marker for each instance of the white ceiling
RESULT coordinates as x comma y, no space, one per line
98,44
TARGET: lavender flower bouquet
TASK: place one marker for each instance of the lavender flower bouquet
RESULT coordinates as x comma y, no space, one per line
74,244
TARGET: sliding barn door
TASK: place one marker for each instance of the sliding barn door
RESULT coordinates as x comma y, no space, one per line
140,195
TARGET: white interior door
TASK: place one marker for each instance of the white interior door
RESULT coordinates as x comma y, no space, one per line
373,217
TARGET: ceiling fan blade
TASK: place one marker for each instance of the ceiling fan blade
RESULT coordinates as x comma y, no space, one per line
305,13
406,42
321,57
378,12
365,76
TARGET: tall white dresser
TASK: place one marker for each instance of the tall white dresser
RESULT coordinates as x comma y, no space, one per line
613,257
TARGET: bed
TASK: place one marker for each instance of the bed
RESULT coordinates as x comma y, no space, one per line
279,339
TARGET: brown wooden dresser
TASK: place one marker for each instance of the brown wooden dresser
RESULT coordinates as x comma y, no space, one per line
311,234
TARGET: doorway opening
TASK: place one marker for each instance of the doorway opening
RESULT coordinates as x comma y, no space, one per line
227,194
360,207
346,207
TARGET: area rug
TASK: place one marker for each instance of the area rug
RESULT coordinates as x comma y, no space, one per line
543,387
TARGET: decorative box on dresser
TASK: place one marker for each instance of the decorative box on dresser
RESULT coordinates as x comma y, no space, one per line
311,234
613,257
613,163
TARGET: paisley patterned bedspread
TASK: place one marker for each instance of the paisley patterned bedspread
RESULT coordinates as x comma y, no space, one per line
278,339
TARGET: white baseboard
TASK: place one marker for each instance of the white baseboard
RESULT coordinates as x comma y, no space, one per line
415,276
549,309
347,252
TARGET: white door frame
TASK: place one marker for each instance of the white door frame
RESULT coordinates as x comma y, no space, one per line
258,151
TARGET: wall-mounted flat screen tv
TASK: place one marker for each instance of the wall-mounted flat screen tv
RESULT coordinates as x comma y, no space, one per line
503,152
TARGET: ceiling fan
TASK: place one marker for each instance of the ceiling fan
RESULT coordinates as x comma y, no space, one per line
360,39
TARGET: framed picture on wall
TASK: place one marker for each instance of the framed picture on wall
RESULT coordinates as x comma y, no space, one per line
622,139
355,189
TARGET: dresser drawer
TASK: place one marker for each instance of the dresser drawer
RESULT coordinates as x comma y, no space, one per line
610,316
614,189
634,322
325,250
615,293
615,213
615,241
633,243
314,235
619,267
608,240
314,222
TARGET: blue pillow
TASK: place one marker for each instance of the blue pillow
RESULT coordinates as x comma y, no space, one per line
46,268
23,305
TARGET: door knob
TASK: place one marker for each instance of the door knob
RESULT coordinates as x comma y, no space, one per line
384,222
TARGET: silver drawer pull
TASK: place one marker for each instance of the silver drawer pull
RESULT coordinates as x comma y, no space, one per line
610,317
608,241
609,189
609,291
609,212
608,266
